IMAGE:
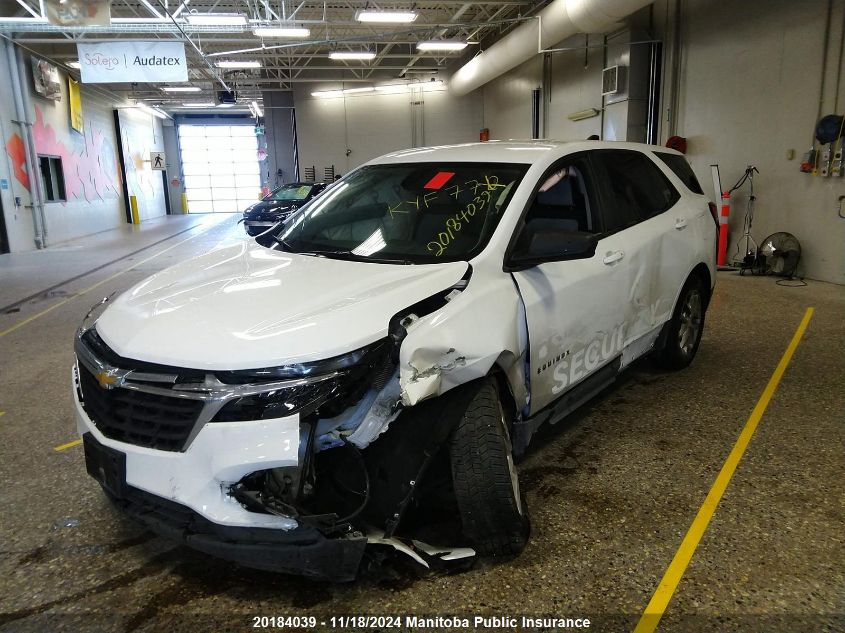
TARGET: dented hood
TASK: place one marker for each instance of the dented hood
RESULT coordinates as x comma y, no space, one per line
245,306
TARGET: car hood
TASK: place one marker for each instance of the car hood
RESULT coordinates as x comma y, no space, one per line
245,306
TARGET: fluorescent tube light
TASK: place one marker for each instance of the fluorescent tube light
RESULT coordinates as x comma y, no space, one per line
430,85
181,88
73,65
340,93
583,114
204,104
272,31
257,108
441,45
152,111
399,88
216,19
238,64
394,17
351,55
327,93
393,88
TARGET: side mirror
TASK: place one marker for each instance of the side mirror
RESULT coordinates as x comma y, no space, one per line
547,241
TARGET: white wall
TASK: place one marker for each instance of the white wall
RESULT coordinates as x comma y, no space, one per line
751,74
575,85
372,124
748,93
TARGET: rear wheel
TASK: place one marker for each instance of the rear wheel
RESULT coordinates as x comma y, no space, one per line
684,330
493,512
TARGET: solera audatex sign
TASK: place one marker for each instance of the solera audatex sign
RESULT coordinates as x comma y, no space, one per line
130,61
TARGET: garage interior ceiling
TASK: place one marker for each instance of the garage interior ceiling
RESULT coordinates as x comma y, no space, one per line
285,61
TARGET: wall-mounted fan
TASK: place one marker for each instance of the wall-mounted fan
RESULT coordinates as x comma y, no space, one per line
779,255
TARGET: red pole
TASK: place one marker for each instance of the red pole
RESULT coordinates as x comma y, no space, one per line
723,228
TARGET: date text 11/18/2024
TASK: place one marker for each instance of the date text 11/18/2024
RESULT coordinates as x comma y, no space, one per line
419,622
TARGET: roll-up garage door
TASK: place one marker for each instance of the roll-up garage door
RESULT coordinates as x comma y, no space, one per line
220,167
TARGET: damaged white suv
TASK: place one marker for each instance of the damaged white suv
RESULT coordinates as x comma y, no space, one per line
366,371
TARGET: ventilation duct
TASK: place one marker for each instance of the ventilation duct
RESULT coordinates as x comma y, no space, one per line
558,21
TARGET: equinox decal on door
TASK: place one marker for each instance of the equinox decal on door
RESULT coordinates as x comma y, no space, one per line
588,358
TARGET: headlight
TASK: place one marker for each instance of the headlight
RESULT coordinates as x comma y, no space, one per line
348,377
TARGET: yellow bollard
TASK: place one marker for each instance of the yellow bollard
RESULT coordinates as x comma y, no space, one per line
184,203
133,204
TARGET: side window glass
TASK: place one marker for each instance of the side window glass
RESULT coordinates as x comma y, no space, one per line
562,199
681,168
636,188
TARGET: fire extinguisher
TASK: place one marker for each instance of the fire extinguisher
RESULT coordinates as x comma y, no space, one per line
484,135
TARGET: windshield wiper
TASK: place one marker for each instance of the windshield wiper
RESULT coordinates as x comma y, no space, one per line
340,254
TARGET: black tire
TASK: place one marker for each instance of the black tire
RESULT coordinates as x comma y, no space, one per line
684,330
493,514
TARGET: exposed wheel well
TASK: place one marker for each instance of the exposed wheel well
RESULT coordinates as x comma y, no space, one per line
508,400
702,271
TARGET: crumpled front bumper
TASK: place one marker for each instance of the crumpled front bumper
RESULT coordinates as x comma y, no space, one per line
303,550
184,495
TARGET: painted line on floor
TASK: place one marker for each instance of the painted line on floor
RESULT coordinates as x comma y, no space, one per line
62,447
26,321
669,583
20,302
2,413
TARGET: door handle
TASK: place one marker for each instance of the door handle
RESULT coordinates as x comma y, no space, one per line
680,223
611,257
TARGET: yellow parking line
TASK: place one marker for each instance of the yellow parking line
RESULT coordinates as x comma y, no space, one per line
666,589
19,325
62,447
2,413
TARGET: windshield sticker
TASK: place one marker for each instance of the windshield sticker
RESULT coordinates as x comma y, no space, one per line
439,179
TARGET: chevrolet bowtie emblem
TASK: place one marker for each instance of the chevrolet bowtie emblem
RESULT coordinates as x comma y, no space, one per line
108,380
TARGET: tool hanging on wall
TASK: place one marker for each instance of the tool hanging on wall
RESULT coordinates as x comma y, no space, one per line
746,243
827,160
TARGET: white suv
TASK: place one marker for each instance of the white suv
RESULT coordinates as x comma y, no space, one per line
371,366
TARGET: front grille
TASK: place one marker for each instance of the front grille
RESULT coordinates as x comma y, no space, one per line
137,417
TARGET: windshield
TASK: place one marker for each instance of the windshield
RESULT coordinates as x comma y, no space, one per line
291,192
408,213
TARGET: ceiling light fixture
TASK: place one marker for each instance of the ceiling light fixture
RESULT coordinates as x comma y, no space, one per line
351,55
272,31
181,88
204,104
257,108
441,45
340,93
216,19
152,111
583,114
237,64
389,17
400,88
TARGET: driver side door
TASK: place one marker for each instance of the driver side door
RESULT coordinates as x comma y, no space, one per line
575,308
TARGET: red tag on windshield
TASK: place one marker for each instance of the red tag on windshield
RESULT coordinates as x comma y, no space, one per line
440,179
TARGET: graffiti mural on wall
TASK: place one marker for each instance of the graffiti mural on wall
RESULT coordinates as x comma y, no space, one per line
90,164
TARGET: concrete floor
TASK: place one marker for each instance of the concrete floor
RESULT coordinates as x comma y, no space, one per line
612,491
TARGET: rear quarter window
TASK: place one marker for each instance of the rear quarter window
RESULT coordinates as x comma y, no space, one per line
680,167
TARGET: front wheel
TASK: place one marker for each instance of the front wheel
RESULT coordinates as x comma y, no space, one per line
493,512
684,330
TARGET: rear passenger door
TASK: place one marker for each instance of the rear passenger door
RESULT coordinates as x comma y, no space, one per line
643,219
